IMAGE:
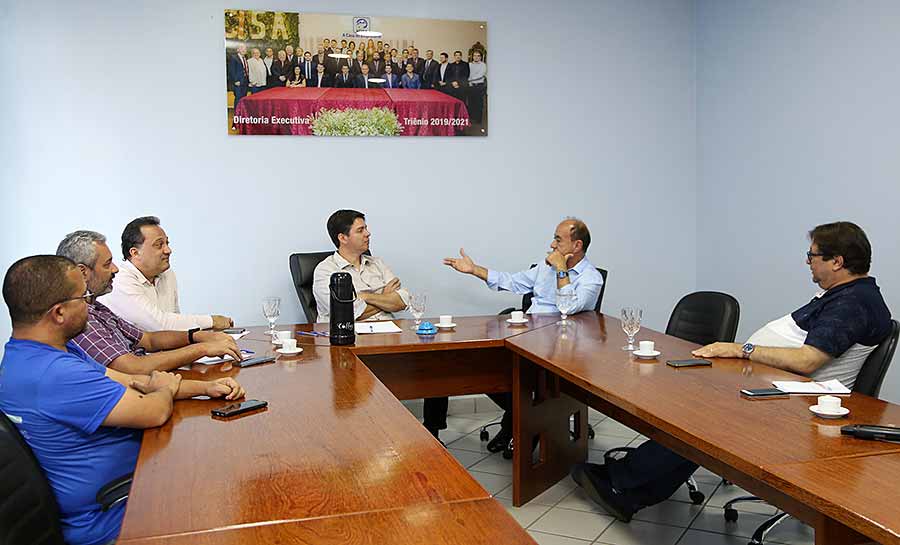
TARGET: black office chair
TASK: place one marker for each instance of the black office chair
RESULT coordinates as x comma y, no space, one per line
302,267
526,304
29,513
868,382
702,317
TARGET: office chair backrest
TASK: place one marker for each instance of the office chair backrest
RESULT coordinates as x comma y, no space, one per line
28,509
526,299
302,267
871,375
705,317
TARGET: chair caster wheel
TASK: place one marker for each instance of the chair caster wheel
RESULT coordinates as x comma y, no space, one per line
591,433
731,515
484,435
697,498
507,454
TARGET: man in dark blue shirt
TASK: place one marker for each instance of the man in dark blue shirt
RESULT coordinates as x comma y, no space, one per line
80,419
828,338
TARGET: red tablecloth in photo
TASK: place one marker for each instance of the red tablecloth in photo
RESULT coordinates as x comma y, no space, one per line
426,112
361,99
290,106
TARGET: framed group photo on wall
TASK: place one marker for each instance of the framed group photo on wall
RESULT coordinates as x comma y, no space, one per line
312,74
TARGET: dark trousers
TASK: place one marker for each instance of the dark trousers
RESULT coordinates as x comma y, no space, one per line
504,401
435,413
476,102
649,474
240,92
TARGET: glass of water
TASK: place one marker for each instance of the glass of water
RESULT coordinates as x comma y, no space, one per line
565,303
272,310
417,307
631,324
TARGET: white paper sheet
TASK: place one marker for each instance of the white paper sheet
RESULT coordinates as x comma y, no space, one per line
833,387
377,327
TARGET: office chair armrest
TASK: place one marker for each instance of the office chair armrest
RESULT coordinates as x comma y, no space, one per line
507,310
114,491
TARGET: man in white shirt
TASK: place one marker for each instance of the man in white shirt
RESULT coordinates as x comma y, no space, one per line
378,289
145,292
258,73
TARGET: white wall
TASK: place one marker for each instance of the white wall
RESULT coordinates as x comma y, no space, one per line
798,125
125,118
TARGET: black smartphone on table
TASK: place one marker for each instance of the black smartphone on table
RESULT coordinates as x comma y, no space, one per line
239,408
764,393
234,330
688,363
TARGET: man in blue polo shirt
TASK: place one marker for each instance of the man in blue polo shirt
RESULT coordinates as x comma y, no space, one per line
80,419
828,338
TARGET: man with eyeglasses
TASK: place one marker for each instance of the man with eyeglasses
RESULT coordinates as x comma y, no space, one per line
116,342
828,338
81,419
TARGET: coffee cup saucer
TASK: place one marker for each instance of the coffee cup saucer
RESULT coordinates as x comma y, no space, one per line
517,322
646,355
287,352
445,326
840,412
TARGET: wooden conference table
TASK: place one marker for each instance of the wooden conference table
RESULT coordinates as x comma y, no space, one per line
336,458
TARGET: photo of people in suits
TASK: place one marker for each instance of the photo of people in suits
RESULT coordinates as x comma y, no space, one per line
273,57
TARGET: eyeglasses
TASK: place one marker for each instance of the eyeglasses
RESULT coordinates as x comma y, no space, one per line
88,298
810,255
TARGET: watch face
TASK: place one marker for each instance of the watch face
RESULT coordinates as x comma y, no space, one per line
748,348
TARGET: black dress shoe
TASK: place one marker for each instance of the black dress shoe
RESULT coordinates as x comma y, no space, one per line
436,434
500,441
594,480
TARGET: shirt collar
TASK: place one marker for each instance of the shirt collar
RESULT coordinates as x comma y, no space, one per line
858,281
343,263
134,271
581,265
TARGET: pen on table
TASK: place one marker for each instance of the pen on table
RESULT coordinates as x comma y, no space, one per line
312,333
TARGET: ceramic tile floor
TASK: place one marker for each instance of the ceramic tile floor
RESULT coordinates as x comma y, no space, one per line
564,515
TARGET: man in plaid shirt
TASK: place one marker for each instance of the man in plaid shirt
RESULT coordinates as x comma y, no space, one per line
118,344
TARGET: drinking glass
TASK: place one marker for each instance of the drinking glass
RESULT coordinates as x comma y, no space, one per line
417,307
272,310
565,303
631,324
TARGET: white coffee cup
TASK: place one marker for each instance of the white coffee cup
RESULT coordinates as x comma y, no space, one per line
289,345
517,316
646,347
829,403
284,335
445,319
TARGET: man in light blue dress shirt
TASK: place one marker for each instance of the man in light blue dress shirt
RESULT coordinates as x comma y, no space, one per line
565,268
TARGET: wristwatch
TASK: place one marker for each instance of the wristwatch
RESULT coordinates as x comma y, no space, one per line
561,274
191,334
747,349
